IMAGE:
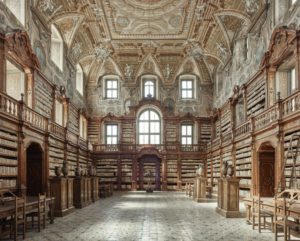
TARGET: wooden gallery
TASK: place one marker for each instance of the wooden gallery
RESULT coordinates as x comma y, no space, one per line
185,110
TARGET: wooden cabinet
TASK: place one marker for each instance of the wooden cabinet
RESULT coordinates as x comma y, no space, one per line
62,190
228,197
82,192
95,188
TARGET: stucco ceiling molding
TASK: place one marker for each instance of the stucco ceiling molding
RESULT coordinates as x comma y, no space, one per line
144,69
68,24
233,13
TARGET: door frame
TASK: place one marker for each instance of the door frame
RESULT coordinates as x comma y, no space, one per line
43,166
141,163
266,147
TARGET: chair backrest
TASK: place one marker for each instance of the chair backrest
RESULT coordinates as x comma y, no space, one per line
256,203
42,203
20,208
280,207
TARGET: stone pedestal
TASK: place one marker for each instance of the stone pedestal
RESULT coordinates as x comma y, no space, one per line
228,197
62,190
82,192
200,189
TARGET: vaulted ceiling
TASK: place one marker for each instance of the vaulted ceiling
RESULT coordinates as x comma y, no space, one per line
120,32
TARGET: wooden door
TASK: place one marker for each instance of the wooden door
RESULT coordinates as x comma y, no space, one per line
266,174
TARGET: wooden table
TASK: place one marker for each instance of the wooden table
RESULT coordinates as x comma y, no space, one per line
8,208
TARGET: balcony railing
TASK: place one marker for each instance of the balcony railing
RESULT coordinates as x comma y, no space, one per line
57,130
291,104
265,118
8,105
137,148
242,129
34,119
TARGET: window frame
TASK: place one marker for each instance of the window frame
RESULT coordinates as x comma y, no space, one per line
62,123
83,127
150,87
106,89
157,135
54,30
22,17
80,85
186,136
145,79
107,136
22,79
193,89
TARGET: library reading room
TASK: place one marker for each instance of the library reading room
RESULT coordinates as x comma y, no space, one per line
150,120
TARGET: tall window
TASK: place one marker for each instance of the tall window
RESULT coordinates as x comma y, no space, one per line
17,7
59,113
293,1
111,131
82,127
187,89
149,127
56,47
15,81
187,134
111,89
291,81
149,88
79,79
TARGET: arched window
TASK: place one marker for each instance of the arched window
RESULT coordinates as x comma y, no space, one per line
17,7
149,127
56,47
79,79
15,81
149,89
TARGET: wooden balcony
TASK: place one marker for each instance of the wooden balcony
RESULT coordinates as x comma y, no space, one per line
103,148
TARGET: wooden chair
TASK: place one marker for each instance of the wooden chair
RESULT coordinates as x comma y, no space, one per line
262,214
19,217
281,219
40,213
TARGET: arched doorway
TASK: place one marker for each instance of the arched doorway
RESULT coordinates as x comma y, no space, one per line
266,157
149,164
34,169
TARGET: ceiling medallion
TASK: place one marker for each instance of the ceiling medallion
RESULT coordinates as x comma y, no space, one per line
175,21
123,22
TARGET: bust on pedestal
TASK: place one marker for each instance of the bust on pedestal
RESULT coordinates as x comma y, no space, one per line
228,194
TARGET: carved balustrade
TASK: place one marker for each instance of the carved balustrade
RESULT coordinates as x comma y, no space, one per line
8,105
291,104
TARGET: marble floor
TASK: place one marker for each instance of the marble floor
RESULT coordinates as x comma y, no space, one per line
141,216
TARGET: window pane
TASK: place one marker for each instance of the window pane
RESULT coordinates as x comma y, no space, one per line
144,127
154,127
189,130
114,130
293,79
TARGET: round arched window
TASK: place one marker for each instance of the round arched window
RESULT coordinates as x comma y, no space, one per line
149,127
